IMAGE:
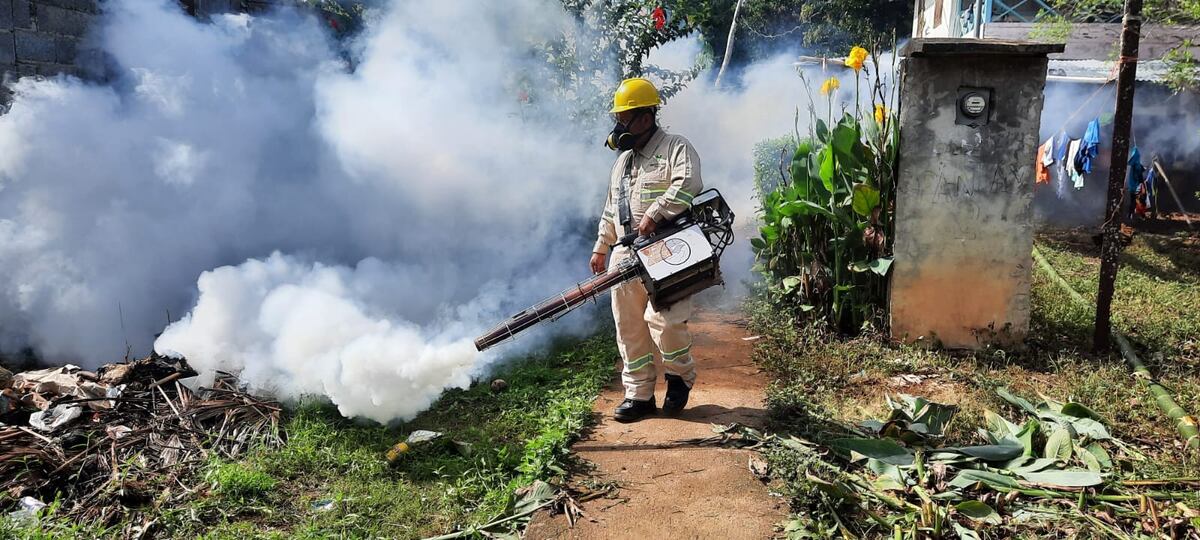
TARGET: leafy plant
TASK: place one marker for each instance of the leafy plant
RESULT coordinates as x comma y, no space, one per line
1183,69
825,230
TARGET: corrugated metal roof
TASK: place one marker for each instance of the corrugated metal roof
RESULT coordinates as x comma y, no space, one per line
1102,71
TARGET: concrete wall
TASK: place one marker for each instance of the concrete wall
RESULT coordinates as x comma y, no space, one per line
963,206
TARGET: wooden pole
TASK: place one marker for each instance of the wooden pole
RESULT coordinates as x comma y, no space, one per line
1110,250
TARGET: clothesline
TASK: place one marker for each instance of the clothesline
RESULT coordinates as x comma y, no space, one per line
1112,76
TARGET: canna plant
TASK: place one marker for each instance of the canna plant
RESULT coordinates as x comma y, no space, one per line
825,232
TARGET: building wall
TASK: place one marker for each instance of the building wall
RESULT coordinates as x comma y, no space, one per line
964,224
936,18
1101,41
49,37
44,37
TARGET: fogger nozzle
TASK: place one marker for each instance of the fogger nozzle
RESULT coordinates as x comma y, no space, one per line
558,305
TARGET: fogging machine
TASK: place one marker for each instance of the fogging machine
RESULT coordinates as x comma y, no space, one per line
681,258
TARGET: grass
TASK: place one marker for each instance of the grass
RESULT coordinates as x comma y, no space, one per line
822,383
330,479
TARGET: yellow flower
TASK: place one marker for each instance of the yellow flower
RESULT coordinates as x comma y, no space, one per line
858,55
880,113
830,85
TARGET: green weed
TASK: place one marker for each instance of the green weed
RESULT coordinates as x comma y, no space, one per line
239,481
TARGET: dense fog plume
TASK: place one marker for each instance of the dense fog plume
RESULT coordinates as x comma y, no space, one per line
320,229
414,180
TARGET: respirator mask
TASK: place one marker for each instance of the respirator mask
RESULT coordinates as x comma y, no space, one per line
620,138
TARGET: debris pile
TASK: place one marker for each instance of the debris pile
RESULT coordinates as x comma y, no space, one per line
1058,467
124,436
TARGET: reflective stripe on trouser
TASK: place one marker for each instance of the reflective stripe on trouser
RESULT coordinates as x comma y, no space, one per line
644,335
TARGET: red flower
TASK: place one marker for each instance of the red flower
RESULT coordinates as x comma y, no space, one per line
660,18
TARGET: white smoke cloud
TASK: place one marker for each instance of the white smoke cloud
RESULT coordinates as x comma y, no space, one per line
321,230
414,178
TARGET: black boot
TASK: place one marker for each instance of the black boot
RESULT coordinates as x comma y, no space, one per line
677,395
632,410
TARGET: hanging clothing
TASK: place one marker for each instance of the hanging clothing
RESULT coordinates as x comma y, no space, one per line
1060,146
1151,194
1061,141
1089,147
1136,172
1045,159
1073,157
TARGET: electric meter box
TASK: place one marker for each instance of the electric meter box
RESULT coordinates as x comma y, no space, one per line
969,132
974,106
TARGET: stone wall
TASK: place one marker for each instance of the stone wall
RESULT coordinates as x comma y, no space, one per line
964,227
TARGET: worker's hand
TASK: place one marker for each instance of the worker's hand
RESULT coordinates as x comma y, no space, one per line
647,226
598,262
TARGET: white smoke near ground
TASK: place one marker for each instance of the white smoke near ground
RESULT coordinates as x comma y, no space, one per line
321,230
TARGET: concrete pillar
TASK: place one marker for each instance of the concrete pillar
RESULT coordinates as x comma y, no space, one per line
964,231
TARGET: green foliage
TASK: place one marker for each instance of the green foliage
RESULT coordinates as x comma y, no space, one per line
610,43
343,17
824,27
1153,11
1183,68
1051,28
827,387
825,231
772,159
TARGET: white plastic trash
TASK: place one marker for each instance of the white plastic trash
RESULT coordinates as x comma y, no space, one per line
55,417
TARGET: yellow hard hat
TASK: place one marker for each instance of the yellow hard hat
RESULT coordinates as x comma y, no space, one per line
634,94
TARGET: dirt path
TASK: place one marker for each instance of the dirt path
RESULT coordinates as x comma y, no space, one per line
679,491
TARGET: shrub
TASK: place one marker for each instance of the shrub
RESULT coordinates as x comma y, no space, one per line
825,236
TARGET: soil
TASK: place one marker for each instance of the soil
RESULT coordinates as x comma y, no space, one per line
668,488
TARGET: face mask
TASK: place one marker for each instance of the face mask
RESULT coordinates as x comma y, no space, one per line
621,139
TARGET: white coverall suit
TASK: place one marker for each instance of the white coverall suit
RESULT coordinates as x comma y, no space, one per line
664,178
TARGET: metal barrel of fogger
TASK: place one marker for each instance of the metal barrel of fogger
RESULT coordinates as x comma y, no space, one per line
558,305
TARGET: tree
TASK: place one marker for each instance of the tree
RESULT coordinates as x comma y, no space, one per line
821,27
611,43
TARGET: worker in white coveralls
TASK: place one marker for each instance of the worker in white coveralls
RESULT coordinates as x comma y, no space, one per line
656,174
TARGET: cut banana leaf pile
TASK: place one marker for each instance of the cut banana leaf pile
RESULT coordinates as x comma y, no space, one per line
1054,468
